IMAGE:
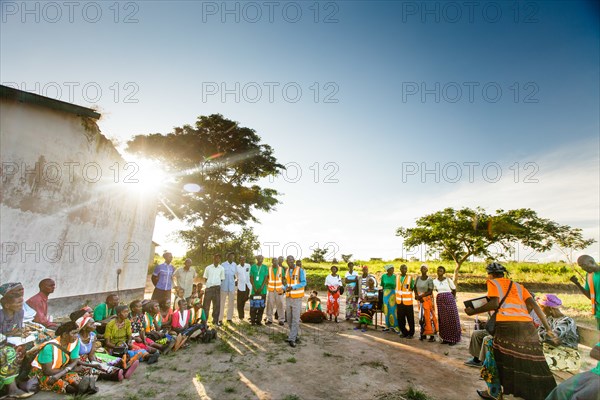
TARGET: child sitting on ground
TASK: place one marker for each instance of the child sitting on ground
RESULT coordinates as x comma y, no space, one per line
313,314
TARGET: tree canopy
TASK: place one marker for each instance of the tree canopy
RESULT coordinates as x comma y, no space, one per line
459,234
220,164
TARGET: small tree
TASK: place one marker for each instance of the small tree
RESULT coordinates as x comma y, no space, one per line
318,255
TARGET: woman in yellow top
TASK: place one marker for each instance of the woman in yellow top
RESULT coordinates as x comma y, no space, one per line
520,362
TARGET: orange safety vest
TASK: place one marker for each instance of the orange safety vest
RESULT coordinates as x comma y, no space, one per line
404,294
590,277
513,308
57,355
293,278
275,282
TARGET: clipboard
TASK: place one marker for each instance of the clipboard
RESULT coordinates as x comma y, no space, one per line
476,302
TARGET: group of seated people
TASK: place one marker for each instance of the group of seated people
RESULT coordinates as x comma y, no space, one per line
107,342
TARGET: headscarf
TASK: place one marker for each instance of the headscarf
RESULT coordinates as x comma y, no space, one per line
387,267
81,322
550,300
365,268
5,288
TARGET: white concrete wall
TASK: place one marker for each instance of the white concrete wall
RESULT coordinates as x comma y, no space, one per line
56,220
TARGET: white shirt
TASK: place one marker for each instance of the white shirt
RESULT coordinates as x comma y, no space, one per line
185,279
243,277
214,275
444,286
333,280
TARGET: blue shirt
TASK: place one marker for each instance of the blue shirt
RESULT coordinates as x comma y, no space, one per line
228,285
302,281
165,276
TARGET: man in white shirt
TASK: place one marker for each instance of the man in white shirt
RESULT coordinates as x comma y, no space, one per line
243,285
228,288
184,278
214,274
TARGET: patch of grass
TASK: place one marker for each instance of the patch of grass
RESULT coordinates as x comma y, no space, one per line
199,377
147,392
278,337
416,394
229,389
185,396
291,360
291,397
375,364
154,367
209,352
224,347
159,380
328,354
132,396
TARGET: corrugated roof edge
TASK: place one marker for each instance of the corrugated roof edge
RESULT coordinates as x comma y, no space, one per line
32,98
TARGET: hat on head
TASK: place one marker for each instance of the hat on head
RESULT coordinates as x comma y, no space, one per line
388,267
365,268
8,287
81,322
550,300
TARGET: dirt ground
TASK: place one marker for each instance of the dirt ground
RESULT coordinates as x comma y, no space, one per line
333,361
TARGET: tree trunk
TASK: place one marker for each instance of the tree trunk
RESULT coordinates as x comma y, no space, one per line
456,270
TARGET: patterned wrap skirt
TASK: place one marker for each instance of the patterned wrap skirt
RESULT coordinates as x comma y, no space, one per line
449,323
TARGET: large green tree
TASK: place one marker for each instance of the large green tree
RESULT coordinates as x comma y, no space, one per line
459,234
220,164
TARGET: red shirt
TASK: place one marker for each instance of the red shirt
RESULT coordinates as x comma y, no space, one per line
39,303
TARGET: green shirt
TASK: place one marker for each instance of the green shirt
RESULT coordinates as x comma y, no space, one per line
596,281
118,335
597,369
102,312
258,275
388,282
46,355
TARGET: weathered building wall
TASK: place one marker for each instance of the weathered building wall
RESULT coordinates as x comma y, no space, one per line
69,208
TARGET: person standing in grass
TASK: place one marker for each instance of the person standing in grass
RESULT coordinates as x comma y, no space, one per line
388,282
333,282
259,277
592,284
352,292
424,295
405,286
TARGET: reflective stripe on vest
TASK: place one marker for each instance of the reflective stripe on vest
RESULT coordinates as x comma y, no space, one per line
590,277
293,278
148,321
404,294
57,360
275,281
511,309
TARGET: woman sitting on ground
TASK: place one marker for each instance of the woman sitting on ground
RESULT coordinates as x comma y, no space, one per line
118,338
111,368
564,357
138,328
166,314
367,306
313,314
55,366
153,327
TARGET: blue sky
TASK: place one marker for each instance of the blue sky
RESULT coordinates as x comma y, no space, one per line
375,61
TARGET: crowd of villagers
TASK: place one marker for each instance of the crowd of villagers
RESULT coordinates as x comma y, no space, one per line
529,338
107,342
